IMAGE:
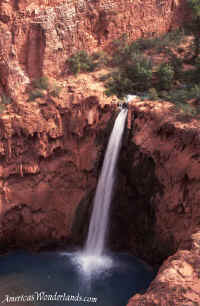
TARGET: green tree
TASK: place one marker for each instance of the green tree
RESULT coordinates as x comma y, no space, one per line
153,94
165,76
42,83
81,62
193,26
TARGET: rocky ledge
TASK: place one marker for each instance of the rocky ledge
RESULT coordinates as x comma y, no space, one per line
177,281
172,140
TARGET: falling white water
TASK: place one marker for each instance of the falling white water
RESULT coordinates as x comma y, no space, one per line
99,220
130,98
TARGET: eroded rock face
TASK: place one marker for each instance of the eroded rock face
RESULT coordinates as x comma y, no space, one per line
37,37
49,161
169,142
51,152
177,282
173,143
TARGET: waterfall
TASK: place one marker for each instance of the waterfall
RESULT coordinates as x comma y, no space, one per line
99,220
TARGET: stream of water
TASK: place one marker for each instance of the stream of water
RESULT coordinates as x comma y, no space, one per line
100,215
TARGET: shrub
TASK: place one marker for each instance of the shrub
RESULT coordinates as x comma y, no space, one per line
55,92
153,94
42,83
36,93
192,27
105,77
192,75
5,100
142,44
186,109
121,50
81,62
100,59
170,40
165,75
175,62
139,70
134,75
119,85
2,108
181,95
195,91
121,56
176,95
120,43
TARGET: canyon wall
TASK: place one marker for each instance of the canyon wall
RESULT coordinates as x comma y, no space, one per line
37,37
165,173
50,152
172,141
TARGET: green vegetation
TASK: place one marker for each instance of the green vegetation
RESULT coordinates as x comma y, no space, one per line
135,75
55,91
193,26
42,83
153,94
165,75
2,108
182,94
136,61
100,59
136,71
133,69
155,67
118,84
43,86
5,100
36,93
81,62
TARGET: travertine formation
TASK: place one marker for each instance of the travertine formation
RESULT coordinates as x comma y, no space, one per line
49,155
172,140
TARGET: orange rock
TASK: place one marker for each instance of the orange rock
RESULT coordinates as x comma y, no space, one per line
40,35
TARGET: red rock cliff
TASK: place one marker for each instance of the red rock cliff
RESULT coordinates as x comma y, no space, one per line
50,150
172,141
49,155
38,36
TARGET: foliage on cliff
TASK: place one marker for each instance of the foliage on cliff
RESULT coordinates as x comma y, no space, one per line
81,61
155,68
194,25
43,86
136,67
158,69
4,101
